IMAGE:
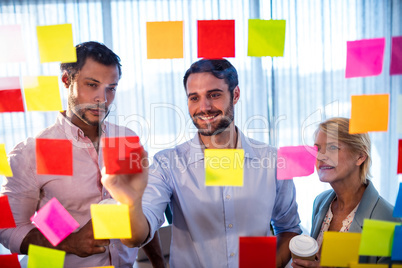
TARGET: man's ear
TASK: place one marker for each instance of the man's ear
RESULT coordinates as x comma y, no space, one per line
236,94
65,79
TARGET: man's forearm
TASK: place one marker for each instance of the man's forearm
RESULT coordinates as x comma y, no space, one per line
153,250
282,248
34,237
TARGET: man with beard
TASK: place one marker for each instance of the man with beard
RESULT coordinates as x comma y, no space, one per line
208,221
91,83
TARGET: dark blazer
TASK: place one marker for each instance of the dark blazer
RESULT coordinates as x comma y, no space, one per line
372,206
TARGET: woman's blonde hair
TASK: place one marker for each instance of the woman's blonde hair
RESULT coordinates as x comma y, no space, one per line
338,128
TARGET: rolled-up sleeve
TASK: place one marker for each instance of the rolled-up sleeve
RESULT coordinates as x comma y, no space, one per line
23,194
285,217
156,196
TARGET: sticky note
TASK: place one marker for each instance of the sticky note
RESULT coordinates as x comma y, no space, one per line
369,113
224,167
377,238
397,245
395,266
110,221
101,267
257,251
122,155
54,221
54,157
340,249
38,256
364,57
399,115
12,44
42,93
367,265
9,261
7,218
5,168
266,37
398,204
396,56
165,40
55,43
10,95
295,161
399,171
216,39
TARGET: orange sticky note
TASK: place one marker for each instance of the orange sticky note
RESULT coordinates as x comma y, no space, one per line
369,113
55,43
42,93
54,156
165,40
11,44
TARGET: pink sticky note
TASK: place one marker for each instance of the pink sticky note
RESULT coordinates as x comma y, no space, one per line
364,57
54,221
295,161
396,56
11,45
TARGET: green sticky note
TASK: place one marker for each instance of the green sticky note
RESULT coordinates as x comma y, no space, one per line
377,238
224,167
55,43
5,168
340,249
266,37
42,93
39,257
399,115
111,221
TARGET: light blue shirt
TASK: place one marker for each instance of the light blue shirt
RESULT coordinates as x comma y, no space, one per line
208,221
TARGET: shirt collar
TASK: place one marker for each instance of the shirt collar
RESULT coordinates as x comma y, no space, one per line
196,147
72,131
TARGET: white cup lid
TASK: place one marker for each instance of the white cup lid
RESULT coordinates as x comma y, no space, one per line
303,246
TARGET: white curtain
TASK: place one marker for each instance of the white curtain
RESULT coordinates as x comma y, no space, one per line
282,99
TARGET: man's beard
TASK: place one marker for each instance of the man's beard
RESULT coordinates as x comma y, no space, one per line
80,109
221,125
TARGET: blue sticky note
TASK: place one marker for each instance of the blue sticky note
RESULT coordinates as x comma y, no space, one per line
397,246
398,204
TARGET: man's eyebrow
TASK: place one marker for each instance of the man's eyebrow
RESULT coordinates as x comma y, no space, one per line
213,90
192,94
92,79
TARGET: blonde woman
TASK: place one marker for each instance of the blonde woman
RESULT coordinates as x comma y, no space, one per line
343,161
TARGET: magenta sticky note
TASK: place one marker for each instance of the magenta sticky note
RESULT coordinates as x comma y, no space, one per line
396,56
295,161
54,221
364,57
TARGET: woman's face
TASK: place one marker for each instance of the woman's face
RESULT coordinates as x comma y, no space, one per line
335,160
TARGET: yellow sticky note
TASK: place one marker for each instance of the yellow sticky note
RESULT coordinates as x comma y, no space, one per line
55,43
377,238
39,257
165,40
340,249
369,113
224,167
266,37
42,93
399,115
367,265
12,44
397,266
110,221
5,168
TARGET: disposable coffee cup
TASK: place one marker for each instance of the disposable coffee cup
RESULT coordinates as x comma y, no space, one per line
303,247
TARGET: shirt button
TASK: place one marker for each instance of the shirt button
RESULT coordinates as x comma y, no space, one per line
228,197
230,225
232,254
104,194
